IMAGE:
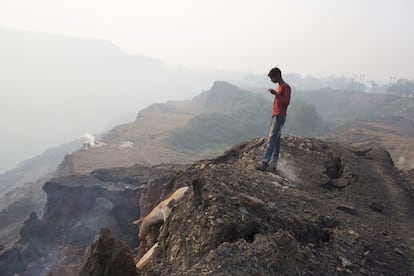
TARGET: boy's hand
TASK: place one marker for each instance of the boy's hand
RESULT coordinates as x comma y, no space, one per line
272,91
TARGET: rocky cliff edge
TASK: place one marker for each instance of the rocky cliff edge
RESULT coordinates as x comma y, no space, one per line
329,210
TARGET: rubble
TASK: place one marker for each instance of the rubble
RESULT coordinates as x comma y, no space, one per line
235,220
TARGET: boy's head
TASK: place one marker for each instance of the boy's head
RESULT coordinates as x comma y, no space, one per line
275,74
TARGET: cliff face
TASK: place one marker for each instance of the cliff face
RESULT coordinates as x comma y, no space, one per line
21,190
77,208
328,210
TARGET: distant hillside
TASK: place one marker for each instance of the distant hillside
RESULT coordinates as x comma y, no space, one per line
33,169
230,115
185,131
339,106
178,131
396,134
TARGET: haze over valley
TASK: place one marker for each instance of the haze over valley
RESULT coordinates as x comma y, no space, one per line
71,69
57,88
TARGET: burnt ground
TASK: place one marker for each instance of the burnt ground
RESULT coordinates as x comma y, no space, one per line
329,210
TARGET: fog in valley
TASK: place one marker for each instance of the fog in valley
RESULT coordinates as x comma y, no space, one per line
57,88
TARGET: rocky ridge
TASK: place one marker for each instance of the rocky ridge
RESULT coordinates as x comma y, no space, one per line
329,210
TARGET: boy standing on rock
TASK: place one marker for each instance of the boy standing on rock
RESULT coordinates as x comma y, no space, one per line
280,105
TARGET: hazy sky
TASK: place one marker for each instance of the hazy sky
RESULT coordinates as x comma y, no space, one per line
318,37
373,38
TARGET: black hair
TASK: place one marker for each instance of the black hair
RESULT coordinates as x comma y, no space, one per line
275,72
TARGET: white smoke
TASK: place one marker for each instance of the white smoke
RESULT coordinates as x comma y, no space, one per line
288,171
90,140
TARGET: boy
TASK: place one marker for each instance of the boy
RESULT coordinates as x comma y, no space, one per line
279,110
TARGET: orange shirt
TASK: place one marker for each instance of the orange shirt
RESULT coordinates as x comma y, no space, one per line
282,100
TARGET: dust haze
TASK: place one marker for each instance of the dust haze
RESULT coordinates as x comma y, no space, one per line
56,88
70,68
